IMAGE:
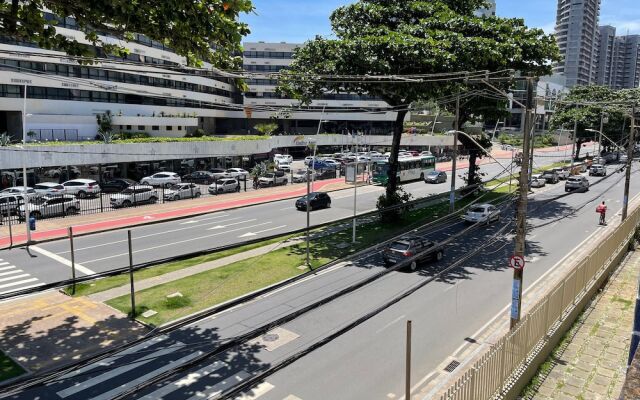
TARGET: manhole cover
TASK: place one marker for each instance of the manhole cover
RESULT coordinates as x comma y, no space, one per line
270,337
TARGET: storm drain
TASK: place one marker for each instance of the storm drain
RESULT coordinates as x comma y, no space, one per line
452,365
274,339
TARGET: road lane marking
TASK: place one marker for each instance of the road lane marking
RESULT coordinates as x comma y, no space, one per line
177,242
15,271
6,285
188,380
195,221
262,231
213,228
145,236
395,321
62,260
23,288
6,268
256,392
14,277
4,263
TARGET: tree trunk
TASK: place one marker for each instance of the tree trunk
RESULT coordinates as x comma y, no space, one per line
473,158
398,128
578,148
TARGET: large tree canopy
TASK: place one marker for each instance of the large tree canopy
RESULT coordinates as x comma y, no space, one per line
410,37
190,28
587,104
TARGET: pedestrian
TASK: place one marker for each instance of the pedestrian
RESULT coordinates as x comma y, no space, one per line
602,210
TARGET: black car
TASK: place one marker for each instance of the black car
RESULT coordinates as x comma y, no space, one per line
201,177
316,200
326,174
410,246
436,177
116,185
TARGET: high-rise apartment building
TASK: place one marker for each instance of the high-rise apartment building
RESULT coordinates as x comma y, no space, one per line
618,59
490,11
577,35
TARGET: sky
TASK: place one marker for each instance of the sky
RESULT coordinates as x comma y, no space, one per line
295,21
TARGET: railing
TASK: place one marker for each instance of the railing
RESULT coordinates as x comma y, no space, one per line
52,135
495,373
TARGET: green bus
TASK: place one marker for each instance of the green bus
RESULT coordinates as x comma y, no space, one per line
410,169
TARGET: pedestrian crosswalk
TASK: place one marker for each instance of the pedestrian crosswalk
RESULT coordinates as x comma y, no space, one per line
13,279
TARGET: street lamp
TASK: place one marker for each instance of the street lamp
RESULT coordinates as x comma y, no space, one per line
493,136
24,165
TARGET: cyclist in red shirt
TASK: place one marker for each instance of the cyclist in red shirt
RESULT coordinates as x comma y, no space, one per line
602,210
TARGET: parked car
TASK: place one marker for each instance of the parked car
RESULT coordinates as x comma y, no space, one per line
58,172
134,195
284,157
165,179
598,170
273,179
237,173
284,166
331,163
425,154
577,183
435,177
18,190
10,204
51,206
182,191
623,159
410,246
563,174
201,177
226,185
301,175
49,188
316,200
537,181
117,185
550,176
326,174
82,188
482,213
218,173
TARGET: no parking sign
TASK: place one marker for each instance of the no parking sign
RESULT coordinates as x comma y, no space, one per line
517,262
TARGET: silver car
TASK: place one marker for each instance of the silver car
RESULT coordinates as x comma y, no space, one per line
482,213
227,185
537,181
49,188
51,206
576,183
182,191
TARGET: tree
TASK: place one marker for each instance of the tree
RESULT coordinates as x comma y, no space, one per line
105,127
411,37
192,29
574,107
266,129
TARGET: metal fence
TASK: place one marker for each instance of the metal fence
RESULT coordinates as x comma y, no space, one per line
495,372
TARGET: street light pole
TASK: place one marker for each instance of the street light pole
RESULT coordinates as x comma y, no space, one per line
600,139
573,143
309,180
521,212
355,192
24,165
452,193
630,147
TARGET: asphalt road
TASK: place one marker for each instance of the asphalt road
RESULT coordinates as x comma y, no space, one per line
367,362
100,252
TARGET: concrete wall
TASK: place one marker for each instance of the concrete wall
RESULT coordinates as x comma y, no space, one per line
48,156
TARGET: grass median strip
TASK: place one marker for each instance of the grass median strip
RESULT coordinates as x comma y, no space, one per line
8,368
207,289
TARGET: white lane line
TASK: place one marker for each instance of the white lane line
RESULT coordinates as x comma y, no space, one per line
262,231
6,285
4,263
14,277
188,380
6,268
145,236
213,228
15,271
22,288
112,393
395,321
256,392
112,373
214,392
175,243
62,260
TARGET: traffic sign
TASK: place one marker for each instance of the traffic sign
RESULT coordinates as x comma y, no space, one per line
516,262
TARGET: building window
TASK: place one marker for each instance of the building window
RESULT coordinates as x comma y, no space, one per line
169,128
128,127
141,127
155,128
179,128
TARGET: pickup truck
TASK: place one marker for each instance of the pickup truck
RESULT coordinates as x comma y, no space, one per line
273,179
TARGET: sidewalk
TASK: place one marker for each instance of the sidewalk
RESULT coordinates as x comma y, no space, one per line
590,363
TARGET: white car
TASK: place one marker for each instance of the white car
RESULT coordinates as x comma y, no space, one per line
284,166
49,188
482,213
182,191
301,175
282,157
331,162
537,181
134,195
165,179
56,172
82,188
226,185
307,160
237,173
425,154
18,190
51,206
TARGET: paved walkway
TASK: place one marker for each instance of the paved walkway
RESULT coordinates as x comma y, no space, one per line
590,363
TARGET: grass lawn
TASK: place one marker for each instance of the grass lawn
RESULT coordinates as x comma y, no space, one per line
8,369
213,287
100,285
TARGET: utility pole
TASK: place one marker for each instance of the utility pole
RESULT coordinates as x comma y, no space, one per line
521,212
25,184
452,194
600,139
573,142
627,181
